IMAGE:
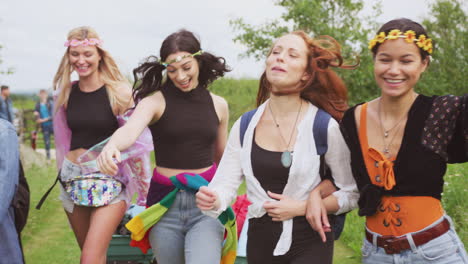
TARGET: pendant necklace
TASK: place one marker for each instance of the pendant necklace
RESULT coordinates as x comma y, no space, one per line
386,132
286,156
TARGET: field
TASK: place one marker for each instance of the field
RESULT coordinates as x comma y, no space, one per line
48,239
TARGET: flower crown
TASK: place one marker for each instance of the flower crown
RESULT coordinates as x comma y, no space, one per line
84,42
410,36
179,58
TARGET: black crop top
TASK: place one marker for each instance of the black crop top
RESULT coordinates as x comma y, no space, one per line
89,117
185,134
267,168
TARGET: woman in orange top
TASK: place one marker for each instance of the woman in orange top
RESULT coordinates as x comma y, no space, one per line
400,145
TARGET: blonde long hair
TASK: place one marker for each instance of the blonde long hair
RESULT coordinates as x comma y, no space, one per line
108,70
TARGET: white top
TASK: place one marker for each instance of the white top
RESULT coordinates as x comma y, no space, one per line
235,166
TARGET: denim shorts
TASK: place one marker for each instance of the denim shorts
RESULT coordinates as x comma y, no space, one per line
445,249
68,171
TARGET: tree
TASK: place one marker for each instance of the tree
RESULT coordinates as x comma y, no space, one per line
341,19
446,25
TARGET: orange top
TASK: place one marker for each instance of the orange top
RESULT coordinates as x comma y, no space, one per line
396,215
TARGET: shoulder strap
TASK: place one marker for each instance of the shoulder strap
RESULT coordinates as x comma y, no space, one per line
320,131
44,197
245,120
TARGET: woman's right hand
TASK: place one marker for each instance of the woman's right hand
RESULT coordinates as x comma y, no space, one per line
108,158
207,199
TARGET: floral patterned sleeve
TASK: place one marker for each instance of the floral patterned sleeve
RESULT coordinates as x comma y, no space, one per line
446,128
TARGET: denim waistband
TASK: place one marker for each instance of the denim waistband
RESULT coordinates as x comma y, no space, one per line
161,179
161,185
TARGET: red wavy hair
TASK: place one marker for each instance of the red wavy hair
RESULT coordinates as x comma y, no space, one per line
324,88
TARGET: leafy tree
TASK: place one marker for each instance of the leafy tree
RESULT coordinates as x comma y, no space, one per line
341,19
447,26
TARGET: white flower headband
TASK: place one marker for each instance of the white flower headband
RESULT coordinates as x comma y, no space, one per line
179,58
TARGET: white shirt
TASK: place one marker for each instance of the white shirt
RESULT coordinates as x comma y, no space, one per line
236,165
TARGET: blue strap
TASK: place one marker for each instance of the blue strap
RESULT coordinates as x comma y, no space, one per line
320,131
245,120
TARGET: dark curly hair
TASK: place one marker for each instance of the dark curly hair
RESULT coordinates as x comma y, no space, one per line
149,74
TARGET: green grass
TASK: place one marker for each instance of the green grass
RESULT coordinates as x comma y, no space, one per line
455,196
47,237
240,95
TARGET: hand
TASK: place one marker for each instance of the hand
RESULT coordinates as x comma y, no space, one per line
316,214
207,199
283,209
107,160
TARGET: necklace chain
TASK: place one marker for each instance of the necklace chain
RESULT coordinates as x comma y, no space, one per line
277,124
385,132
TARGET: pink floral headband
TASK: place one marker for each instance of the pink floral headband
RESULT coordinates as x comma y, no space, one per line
84,42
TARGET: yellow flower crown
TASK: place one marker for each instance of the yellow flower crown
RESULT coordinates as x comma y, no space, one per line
410,36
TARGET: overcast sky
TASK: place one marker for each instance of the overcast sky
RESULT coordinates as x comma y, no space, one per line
32,32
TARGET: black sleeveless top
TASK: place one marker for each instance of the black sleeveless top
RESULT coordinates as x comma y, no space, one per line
185,134
267,168
89,117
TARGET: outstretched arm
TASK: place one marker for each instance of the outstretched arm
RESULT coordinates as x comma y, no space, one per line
149,110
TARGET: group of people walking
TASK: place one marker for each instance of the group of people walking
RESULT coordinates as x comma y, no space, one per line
386,157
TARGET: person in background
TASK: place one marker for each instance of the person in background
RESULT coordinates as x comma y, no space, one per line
400,145
10,248
43,113
6,105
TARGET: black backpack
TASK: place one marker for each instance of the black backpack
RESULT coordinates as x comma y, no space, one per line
21,201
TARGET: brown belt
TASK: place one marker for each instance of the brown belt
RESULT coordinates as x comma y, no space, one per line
393,245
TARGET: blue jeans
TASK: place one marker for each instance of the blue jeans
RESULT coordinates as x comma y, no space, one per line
445,249
185,235
46,132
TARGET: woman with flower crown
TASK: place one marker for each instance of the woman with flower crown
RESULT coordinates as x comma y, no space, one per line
189,128
87,112
400,145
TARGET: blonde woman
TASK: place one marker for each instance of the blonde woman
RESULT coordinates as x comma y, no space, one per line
86,114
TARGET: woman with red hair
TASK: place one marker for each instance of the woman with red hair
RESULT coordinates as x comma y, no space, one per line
278,158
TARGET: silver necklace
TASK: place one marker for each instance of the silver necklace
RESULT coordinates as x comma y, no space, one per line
286,156
385,133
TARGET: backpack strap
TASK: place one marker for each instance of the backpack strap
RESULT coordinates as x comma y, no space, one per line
320,131
244,123
44,197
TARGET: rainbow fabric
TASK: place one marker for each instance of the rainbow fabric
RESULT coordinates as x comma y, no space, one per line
141,224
